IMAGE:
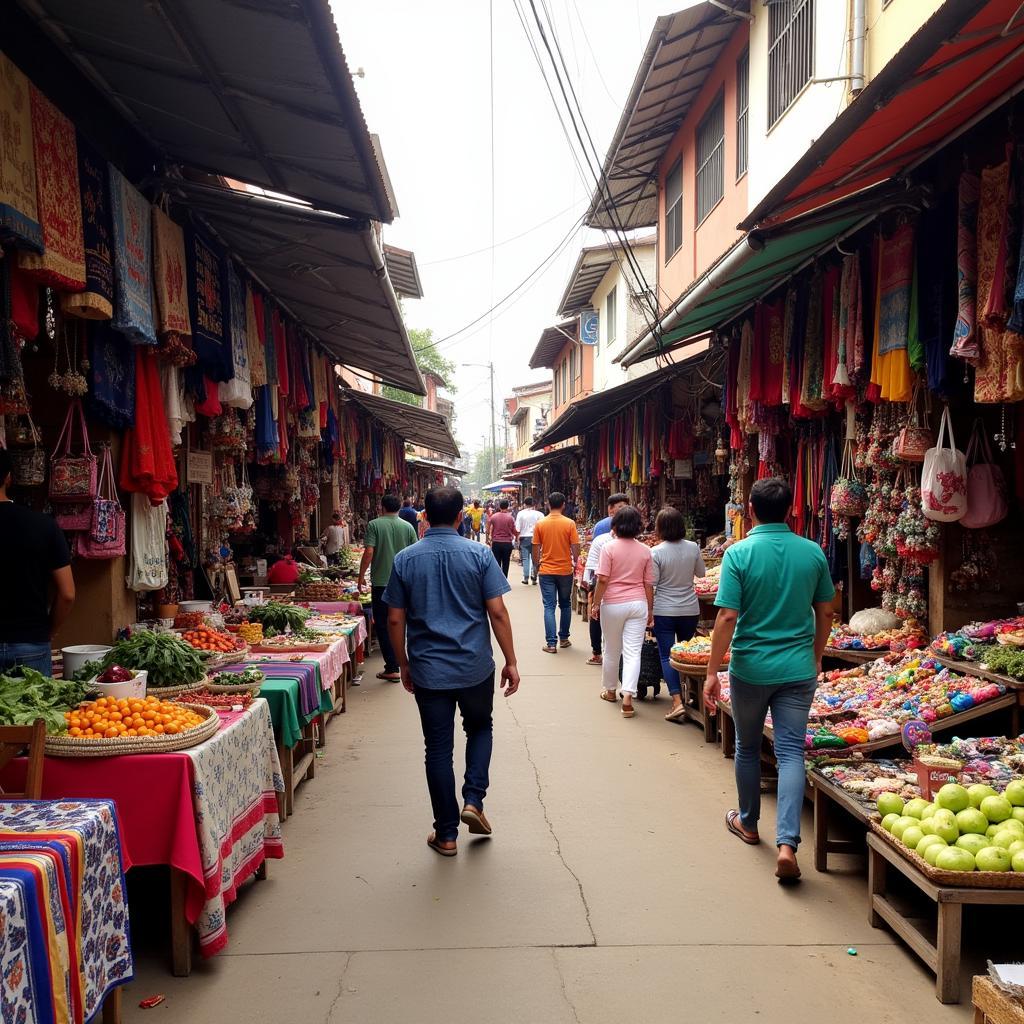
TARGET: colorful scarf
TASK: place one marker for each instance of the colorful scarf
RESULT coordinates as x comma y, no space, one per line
851,321
58,200
147,461
266,427
19,209
111,377
812,375
254,338
97,301
237,392
996,216
169,278
133,258
207,295
265,315
1016,321
965,338
895,276
936,262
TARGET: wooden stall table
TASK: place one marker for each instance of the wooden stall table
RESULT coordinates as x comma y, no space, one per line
824,796
692,679
853,657
970,668
942,956
992,1005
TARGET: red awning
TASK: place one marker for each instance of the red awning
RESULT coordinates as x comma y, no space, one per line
966,60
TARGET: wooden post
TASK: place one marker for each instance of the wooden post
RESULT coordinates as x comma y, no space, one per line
937,587
112,1007
877,870
181,930
947,947
821,809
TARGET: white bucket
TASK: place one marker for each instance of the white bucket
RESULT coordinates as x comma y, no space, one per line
195,606
75,657
128,690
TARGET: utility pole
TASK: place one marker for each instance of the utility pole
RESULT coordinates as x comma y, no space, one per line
494,440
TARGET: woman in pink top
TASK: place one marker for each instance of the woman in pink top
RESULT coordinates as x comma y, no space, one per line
624,599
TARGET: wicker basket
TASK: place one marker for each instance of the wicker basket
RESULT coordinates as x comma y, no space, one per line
955,879
71,746
302,647
252,688
170,692
219,661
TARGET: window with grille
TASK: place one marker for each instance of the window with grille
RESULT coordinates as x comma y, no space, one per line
742,121
711,159
572,373
790,53
610,314
674,210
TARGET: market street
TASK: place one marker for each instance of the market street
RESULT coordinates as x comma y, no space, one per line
610,892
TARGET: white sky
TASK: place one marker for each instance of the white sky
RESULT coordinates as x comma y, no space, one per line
426,93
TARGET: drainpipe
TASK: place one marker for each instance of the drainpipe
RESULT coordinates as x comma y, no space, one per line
858,36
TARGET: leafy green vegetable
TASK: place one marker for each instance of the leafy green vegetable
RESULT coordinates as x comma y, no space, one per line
278,617
32,695
1006,660
168,659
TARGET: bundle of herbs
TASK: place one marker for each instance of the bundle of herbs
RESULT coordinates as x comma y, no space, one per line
26,695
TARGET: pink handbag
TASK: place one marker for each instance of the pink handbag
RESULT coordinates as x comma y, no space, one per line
986,486
914,440
72,477
105,537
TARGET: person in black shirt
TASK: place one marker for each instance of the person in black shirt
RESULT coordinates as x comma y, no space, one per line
34,557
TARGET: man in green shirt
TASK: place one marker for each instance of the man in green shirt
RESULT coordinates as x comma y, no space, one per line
775,601
385,537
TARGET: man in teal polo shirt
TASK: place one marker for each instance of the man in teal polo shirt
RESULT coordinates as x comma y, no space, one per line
775,601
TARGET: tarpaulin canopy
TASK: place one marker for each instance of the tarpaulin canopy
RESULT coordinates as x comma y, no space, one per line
420,426
503,485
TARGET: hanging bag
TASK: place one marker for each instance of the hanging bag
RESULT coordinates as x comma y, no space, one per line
914,440
986,486
73,477
849,497
28,465
105,537
147,569
944,477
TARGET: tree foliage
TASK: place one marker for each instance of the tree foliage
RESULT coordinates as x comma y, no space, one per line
428,359
481,472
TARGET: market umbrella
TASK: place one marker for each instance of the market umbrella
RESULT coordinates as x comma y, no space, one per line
502,485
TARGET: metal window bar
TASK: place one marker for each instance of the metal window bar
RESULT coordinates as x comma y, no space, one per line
742,119
674,210
711,159
790,53
611,310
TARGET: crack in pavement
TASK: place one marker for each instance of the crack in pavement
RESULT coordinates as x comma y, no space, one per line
551,828
341,988
561,981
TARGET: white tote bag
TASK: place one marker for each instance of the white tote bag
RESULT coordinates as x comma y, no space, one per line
147,567
944,478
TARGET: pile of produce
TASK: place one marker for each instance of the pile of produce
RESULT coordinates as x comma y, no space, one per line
866,780
220,701
707,585
168,659
1006,660
203,638
251,632
29,695
278,618
313,586
188,620
110,719
246,678
965,829
966,644
907,637
297,640
695,652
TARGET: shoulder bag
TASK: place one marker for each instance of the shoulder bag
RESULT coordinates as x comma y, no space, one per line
914,440
105,537
944,477
72,477
986,486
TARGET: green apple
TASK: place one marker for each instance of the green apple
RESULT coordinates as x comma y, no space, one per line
915,808
927,827
971,820
996,808
933,850
1005,839
1018,813
944,825
978,792
888,820
928,812
953,858
1017,861
889,803
972,842
1016,846
912,836
926,841
1014,792
953,797
1012,825
993,829
901,824
993,858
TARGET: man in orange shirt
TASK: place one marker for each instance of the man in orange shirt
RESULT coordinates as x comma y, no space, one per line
556,546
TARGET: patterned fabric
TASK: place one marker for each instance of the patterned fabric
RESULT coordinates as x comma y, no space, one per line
82,841
147,462
207,294
254,339
812,376
890,361
1016,321
965,339
19,213
237,392
97,301
237,776
169,278
111,377
132,234
59,200
851,318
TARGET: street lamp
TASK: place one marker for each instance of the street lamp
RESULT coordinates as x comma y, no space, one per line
494,439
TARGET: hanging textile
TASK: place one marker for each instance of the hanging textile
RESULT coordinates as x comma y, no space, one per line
320,385
300,398
890,363
254,339
176,410
965,339
147,462
207,297
797,340
169,275
25,296
61,264
111,377
995,225
19,205
207,400
266,427
132,235
265,314
935,266
280,353
830,315
13,399
788,314
96,302
812,375
744,363
851,323
237,392
1016,320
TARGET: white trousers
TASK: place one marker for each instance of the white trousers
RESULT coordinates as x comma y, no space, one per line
623,627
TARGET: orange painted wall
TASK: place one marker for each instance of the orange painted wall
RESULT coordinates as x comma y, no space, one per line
586,379
702,246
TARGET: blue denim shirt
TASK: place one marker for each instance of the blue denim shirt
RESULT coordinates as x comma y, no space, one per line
603,526
443,582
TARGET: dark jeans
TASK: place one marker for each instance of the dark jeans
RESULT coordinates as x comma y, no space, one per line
595,637
380,625
437,716
552,589
502,551
667,630
35,656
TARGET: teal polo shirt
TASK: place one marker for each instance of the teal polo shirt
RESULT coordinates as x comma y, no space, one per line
772,578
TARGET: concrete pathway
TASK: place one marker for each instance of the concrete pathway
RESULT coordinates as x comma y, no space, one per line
609,893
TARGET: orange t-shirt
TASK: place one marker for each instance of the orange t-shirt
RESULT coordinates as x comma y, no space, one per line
554,535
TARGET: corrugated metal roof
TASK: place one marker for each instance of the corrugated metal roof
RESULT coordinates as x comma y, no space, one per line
408,421
325,268
592,264
252,89
515,468
682,50
402,270
552,341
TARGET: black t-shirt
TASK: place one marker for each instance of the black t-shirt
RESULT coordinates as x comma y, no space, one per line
32,546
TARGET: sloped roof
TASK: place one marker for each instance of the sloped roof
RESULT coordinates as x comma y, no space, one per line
410,422
592,264
552,341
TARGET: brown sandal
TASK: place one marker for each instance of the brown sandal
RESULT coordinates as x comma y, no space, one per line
628,712
435,844
609,695
732,824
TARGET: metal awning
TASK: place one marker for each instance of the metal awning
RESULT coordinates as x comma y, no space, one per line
251,89
503,485
527,465
404,273
592,264
552,341
682,50
415,460
957,68
326,269
755,265
410,422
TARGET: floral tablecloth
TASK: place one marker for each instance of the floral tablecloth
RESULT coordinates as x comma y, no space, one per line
64,941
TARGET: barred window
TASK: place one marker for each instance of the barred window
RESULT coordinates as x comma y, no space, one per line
790,53
611,313
711,159
742,120
674,210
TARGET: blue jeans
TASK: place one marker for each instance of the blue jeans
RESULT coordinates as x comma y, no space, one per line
380,625
790,705
667,630
437,716
35,656
560,588
526,554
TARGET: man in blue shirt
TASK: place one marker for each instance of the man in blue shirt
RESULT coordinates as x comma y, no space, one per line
444,597
408,513
615,502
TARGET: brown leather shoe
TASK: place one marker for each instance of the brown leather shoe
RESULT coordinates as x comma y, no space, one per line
478,824
446,848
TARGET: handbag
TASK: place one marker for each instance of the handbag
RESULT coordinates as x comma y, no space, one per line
914,440
72,477
986,486
105,537
74,516
944,477
848,497
28,465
